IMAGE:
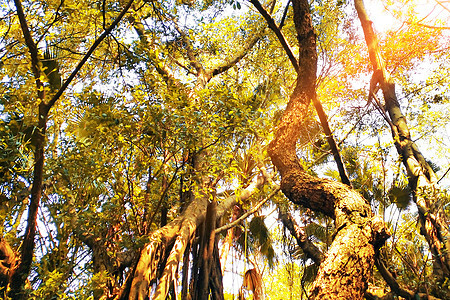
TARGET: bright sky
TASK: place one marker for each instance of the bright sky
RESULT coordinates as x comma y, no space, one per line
427,12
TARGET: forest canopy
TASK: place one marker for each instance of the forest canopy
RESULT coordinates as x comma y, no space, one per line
161,149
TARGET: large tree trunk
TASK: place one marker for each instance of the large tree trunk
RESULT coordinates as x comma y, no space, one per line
348,264
422,179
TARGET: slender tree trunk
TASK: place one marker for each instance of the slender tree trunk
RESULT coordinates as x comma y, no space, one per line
20,274
422,179
348,264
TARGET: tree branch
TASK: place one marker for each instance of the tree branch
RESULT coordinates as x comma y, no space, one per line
237,57
88,54
300,236
422,178
20,274
32,48
189,49
278,33
163,71
390,280
331,141
393,284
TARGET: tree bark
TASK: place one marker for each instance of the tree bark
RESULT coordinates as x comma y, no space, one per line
206,253
422,180
348,264
7,264
216,279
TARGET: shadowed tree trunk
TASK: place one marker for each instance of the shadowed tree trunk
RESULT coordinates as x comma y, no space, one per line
422,179
207,242
348,263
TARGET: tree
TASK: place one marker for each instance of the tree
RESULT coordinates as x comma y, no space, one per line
422,178
19,274
170,124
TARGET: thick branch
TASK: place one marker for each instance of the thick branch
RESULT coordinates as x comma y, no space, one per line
317,104
371,38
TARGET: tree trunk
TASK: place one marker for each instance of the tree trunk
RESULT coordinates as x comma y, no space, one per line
207,242
216,279
20,274
348,264
422,179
